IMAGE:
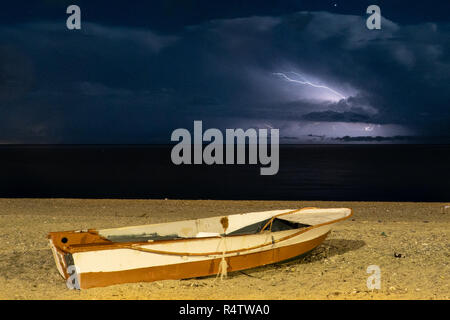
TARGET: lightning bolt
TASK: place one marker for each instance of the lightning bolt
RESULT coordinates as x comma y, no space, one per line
308,83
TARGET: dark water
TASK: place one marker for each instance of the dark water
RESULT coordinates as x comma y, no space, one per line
307,172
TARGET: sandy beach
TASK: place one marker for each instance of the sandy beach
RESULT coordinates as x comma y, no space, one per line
408,241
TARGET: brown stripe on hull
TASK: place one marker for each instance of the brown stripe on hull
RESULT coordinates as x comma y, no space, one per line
198,268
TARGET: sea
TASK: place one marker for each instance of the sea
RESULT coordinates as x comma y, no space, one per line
350,172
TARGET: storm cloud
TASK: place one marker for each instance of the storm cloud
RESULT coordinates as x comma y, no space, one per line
135,84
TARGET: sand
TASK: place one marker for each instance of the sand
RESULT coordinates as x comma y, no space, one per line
378,231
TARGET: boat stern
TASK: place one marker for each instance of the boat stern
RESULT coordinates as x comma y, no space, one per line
59,257
61,244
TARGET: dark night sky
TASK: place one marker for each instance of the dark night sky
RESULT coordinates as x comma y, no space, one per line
136,71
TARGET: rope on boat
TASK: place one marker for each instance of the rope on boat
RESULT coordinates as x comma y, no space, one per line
223,265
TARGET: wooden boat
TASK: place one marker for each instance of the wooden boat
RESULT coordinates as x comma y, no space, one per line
191,248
